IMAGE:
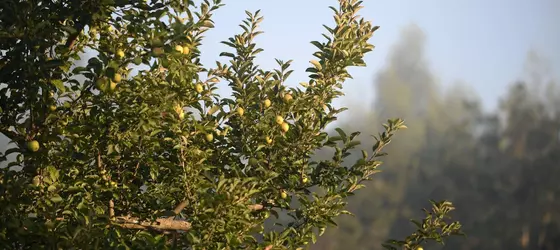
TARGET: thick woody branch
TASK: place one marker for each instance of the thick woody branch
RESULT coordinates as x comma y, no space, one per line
111,209
165,225
162,224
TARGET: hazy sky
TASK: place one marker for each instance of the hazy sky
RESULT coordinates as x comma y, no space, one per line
481,42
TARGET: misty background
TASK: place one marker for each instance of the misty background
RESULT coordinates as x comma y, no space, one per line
477,82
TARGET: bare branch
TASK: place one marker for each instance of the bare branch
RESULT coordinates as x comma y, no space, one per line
162,224
111,209
180,207
256,207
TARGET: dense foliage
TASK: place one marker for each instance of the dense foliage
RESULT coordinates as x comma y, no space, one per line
134,150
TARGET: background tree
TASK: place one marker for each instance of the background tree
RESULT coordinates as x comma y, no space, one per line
111,156
497,167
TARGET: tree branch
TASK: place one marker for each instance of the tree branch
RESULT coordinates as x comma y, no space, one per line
180,207
79,26
256,207
111,209
162,224
165,225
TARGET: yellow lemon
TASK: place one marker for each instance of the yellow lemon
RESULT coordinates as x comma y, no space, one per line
120,53
179,48
186,50
285,127
267,103
279,120
117,78
240,111
288,98
199,88
112,86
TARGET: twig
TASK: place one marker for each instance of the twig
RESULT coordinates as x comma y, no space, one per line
180,207
111,208
79,26
256,207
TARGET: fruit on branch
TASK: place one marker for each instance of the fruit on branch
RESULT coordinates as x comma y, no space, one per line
267,103
156,52
240,111
279,120
120,53
33,145
199,88
112,86
101,84
209,137
288,98
285,127
117,78
179,48
186,50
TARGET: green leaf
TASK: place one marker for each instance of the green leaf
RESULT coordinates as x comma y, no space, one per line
53,63
59,85
56,199
69,29
11,151
352,144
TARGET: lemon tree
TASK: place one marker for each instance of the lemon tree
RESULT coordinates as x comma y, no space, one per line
135,150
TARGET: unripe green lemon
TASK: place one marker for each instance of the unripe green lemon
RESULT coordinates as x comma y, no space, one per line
157,51
283,194
101,84
36,180
33,146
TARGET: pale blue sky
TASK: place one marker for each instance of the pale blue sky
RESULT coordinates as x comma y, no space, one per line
481,42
